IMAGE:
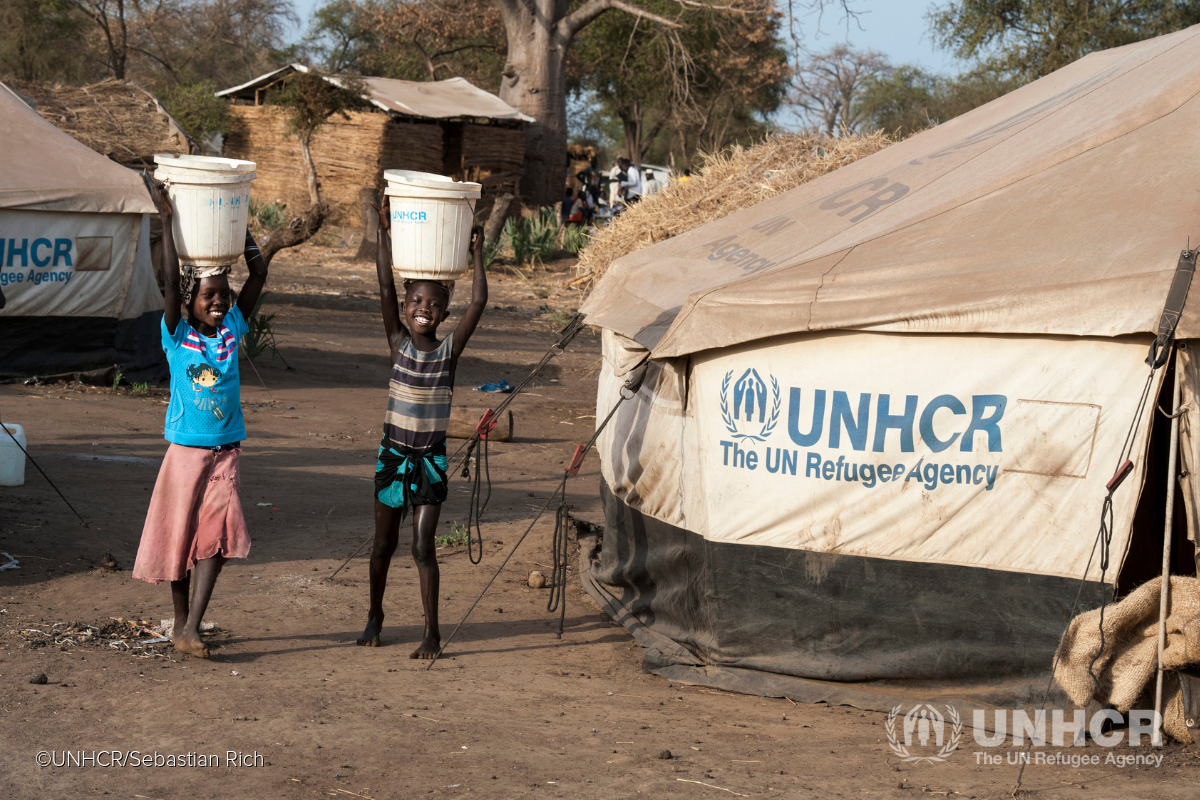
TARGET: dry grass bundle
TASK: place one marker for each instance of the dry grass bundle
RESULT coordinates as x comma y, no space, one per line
726,182
114,118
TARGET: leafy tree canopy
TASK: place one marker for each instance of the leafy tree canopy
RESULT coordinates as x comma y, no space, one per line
1031,38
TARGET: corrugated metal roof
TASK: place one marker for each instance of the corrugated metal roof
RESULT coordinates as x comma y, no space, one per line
455,98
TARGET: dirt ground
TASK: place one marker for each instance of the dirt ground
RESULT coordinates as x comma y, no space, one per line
511,711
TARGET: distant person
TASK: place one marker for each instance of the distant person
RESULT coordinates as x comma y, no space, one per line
631,184
579,209
565,205
650,183
594,189
410,474
195,522
686,177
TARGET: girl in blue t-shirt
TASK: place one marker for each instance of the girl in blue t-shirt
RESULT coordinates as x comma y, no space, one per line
195,521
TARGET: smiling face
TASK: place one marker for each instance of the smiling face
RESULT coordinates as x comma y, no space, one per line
210,303
425,306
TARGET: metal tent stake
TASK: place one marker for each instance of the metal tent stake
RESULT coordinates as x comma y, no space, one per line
1165,590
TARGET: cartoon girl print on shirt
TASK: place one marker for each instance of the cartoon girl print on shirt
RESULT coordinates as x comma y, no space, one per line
203,379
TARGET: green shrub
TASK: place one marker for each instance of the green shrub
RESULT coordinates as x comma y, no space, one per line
457,536
533,240
491,251
574,239
266,217
259,335
197,110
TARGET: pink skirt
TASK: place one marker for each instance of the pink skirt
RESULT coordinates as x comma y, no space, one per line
195,514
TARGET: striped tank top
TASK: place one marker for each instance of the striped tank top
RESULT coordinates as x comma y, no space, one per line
419,395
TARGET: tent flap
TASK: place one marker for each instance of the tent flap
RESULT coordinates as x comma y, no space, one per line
45,169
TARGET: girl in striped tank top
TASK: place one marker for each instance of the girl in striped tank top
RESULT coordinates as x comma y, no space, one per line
410,474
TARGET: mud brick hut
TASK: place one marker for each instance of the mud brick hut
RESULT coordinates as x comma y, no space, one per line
448,127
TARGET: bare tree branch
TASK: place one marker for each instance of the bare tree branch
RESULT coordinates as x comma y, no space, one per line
574,22
827,87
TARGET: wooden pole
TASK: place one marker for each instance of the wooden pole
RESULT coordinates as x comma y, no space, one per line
1165,589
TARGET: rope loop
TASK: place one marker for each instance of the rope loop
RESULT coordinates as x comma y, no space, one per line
478,502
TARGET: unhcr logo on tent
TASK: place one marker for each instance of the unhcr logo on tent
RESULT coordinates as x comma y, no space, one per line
747,416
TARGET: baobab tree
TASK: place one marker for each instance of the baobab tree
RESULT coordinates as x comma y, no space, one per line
539,35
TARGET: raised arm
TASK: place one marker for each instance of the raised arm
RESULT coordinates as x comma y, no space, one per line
479,297
169,261
389,301
252,288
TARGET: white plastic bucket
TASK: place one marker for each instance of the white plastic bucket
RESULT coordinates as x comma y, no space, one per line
12,460
211,200
432,217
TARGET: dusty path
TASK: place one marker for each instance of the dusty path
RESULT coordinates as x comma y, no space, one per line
512,712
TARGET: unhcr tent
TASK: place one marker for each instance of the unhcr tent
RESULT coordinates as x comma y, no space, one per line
871,449
74,255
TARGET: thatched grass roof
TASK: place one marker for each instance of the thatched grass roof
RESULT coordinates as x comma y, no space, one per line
114,118
724,183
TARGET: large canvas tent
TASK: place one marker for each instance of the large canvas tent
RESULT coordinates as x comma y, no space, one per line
74,255
872,445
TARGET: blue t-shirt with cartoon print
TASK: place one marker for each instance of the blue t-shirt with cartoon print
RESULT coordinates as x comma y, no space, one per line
206,391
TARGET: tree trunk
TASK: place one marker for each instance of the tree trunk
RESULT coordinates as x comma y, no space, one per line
539,33
310,169
370,221
534,82
495,222
631,127
297,231
122,50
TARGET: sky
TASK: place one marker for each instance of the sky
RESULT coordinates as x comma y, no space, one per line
896,28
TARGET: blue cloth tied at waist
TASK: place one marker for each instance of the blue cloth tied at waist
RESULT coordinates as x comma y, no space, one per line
405,478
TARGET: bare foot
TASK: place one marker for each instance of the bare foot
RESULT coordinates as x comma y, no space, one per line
370,637
178,629
188,642
428,649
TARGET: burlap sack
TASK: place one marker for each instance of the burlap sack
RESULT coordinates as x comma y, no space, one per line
1126,669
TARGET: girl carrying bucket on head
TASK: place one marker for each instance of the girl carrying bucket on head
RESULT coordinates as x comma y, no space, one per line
195,520
411,471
